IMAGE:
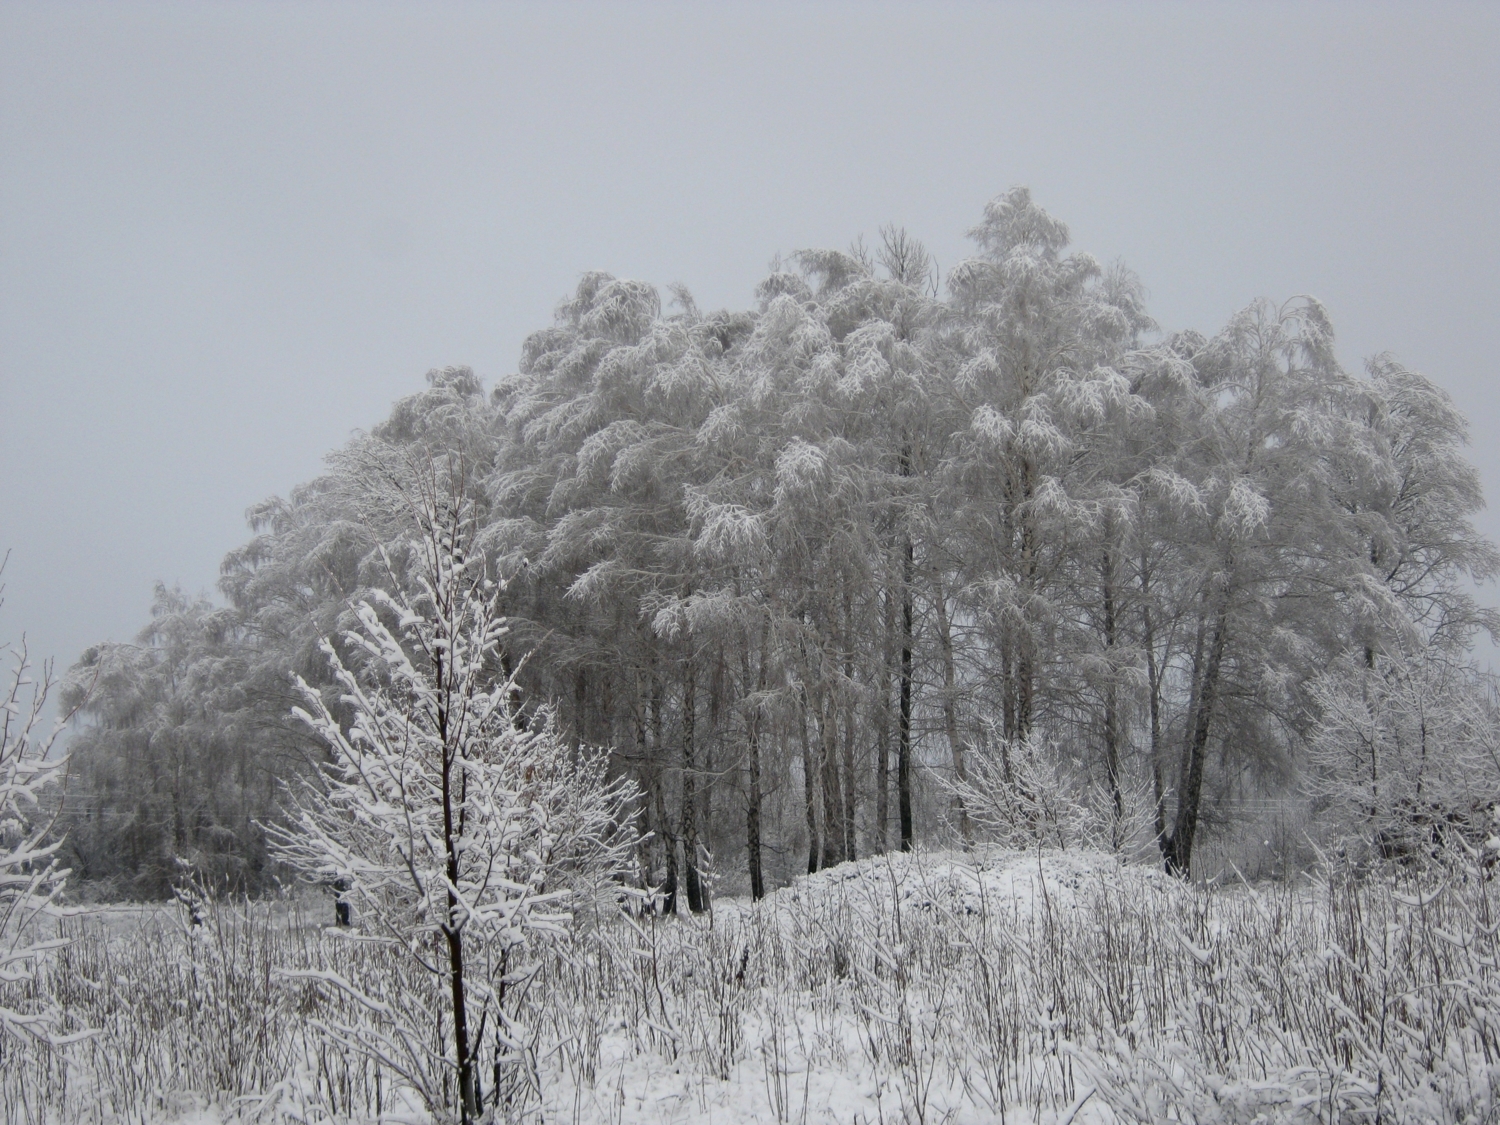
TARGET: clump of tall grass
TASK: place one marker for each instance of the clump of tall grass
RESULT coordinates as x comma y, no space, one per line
960,982
191,1007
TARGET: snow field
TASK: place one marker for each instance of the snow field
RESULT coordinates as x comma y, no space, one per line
936,987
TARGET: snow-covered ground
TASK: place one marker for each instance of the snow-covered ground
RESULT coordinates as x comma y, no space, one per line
945,987
809,1054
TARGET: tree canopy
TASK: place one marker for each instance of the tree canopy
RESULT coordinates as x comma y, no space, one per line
799,565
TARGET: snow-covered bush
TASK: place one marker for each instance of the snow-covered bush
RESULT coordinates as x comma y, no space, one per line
1406,756
31,875
1017,795
983,985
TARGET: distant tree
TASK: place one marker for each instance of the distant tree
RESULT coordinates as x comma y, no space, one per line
162,776
187,732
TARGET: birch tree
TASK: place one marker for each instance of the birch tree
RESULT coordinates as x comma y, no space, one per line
1268,555
453,823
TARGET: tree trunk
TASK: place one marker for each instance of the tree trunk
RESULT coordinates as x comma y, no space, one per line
850,803
664,822
1179,849
1153,688
809,783
451,928
580,706
883,726
689,814
833,797
709,774
468,1097
849,789
1026,653
1007,688
646,778
950,706
1111,695
752,811
903,750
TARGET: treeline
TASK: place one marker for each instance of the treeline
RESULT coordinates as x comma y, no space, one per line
808,567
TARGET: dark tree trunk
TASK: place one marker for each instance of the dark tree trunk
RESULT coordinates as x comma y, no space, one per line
1178,852
903,750
883,726
580,706
752,812
1153,697
1007,691
709,745
1030,567
851,806
689,816
1111,692
810,767
453,829
669,849
833,797
468,1096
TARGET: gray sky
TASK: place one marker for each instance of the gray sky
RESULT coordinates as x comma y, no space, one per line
232,233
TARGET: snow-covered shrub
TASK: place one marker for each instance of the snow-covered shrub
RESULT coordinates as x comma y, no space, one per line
1016,795
31,875
981,985
1406,756
32,878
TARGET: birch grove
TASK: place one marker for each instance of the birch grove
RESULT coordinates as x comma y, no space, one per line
824,572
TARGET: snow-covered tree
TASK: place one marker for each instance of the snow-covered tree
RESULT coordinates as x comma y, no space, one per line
164,775
459,829
32,875
1413,504
1264,551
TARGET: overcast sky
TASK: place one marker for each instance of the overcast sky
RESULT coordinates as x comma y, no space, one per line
230,234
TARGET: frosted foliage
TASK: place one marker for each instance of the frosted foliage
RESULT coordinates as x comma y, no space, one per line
383,831
801,565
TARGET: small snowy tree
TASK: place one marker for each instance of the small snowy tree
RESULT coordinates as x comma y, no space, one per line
31,875
457,830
